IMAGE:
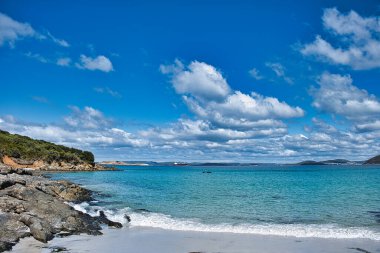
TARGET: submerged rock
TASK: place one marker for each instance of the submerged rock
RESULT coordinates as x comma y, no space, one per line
103,219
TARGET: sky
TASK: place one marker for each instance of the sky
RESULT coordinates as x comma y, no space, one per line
239,81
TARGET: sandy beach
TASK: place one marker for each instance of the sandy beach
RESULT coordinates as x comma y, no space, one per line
149,240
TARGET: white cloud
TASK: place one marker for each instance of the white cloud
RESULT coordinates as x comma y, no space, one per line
86,129
242,110
227,123
107,90
255,73
368,126
100,62
87,118
186,138
279,70
336,94
40,99
12,30
208,95
198,79
197,140
60,42
357,39
351,24
185,130
37,57
64,61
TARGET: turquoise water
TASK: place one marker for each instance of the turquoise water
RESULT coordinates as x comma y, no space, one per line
322,201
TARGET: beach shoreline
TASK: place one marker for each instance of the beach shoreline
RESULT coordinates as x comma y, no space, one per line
133,237
157,240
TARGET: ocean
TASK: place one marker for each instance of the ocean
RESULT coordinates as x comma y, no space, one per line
301,201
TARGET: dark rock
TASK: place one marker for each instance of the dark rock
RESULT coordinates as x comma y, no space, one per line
103,219
361,250
56,249
127,218
11,230
40,229
34,206
6,246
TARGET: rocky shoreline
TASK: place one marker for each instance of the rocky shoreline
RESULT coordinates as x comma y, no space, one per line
33,205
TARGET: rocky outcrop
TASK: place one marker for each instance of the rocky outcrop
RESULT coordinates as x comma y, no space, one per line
35,206
41,165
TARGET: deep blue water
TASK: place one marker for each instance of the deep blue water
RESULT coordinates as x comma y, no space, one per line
322,200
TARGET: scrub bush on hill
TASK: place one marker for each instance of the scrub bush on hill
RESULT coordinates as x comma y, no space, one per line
26,148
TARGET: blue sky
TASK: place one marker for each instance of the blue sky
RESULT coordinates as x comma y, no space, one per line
194,80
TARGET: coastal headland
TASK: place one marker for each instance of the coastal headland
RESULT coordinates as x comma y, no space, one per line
33,205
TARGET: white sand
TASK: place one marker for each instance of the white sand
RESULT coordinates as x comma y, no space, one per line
155,240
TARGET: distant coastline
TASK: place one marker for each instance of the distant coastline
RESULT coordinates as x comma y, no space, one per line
372,161
124,163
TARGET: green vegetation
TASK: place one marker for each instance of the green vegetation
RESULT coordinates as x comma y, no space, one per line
26,148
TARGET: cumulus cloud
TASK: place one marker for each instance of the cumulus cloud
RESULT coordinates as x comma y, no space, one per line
100,62
240,126
200,130
87,118
279,70
336,94
242,110
368,126
87,129
228,124
200,140
199,79
326,141
207,94
356,37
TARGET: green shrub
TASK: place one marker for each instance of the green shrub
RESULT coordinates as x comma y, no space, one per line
23,147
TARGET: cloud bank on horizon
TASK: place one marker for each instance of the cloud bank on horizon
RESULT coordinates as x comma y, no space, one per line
282,117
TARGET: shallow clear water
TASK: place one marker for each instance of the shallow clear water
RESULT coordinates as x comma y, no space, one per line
325,201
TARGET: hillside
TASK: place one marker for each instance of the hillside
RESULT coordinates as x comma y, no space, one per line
23,149
373,160
310,162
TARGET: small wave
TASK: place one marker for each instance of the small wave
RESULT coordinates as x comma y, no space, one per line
157,220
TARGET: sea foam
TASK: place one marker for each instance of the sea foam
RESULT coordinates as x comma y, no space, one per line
157,220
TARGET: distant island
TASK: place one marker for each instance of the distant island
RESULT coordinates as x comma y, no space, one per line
374,160
124,163
329,162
